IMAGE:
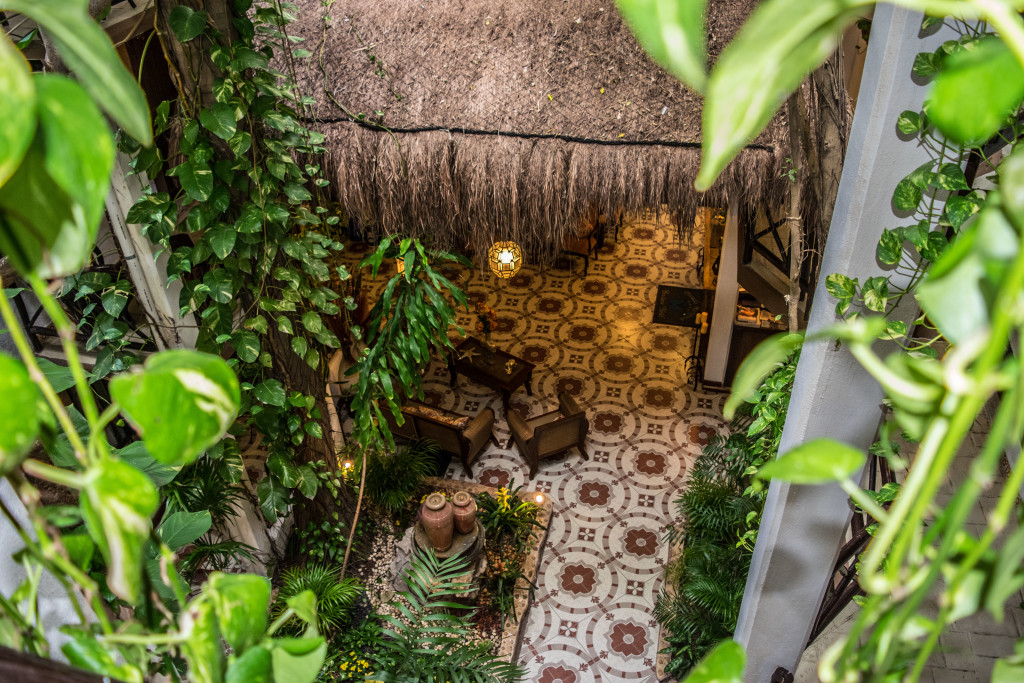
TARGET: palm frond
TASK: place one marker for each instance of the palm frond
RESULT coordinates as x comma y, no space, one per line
335,597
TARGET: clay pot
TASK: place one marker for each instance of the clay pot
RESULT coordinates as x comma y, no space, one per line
438,521
465,512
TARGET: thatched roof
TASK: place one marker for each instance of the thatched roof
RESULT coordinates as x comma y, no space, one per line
491,120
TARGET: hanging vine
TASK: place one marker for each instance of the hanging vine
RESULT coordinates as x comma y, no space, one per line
245,228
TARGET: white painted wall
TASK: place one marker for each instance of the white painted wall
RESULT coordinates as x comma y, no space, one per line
802,527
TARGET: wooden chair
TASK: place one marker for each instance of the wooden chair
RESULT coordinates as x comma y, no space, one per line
550,434
583,242
456,434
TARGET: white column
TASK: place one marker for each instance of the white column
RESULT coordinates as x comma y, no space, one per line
802,527
726,294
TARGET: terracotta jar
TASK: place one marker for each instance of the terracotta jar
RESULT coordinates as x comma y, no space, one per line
438,521
465,512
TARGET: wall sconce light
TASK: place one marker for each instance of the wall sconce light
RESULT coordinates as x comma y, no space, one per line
539,499
505,259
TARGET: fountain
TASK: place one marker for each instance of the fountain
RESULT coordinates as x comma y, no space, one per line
450,528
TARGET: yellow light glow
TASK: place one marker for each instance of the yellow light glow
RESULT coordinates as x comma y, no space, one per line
505,259
346,464
540,498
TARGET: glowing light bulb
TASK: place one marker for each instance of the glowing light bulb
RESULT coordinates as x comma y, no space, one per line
347,464
540,498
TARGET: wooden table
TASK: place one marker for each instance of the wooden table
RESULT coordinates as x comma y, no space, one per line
491,368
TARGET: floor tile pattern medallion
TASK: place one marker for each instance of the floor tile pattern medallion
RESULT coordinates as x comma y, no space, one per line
593,337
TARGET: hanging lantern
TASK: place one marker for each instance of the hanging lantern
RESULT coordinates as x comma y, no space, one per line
505,259
400,265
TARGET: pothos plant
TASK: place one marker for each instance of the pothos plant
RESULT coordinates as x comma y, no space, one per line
134,617
244,230
969,290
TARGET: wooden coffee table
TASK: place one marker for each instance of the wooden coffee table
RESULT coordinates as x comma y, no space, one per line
490,367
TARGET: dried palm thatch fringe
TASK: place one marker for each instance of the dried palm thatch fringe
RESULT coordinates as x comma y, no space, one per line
465,192
569,68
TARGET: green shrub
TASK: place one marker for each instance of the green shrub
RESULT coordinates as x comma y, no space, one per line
393,477
700,602
203,485
335,597
506,515
350,653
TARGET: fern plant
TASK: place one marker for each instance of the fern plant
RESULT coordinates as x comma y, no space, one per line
427,643
721,512
335,597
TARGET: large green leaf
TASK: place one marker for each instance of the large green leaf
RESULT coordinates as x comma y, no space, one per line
271,392
50,208
84,651
79,148
222,239
186,22
281,466
782,42
87,51
815,462
298,660
252,667
219,120
755,367
59,447
308,483
117,502
136,455
181,402
273,497
724,664
241,602
17,109
202,647
958,290
221,285
976,91
246,344
182,528
196,179
673,32
20,417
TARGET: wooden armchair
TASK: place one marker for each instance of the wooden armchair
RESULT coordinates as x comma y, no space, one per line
456,434
550,434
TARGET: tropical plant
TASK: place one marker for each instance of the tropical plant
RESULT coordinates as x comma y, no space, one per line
970,293
335,596
411,318
350,653
56,157
506,515
700,601
429,643
325,540
504,577
241,221
393,476
208,554
202,485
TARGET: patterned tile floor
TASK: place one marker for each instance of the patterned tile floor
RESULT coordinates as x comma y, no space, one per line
593,337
